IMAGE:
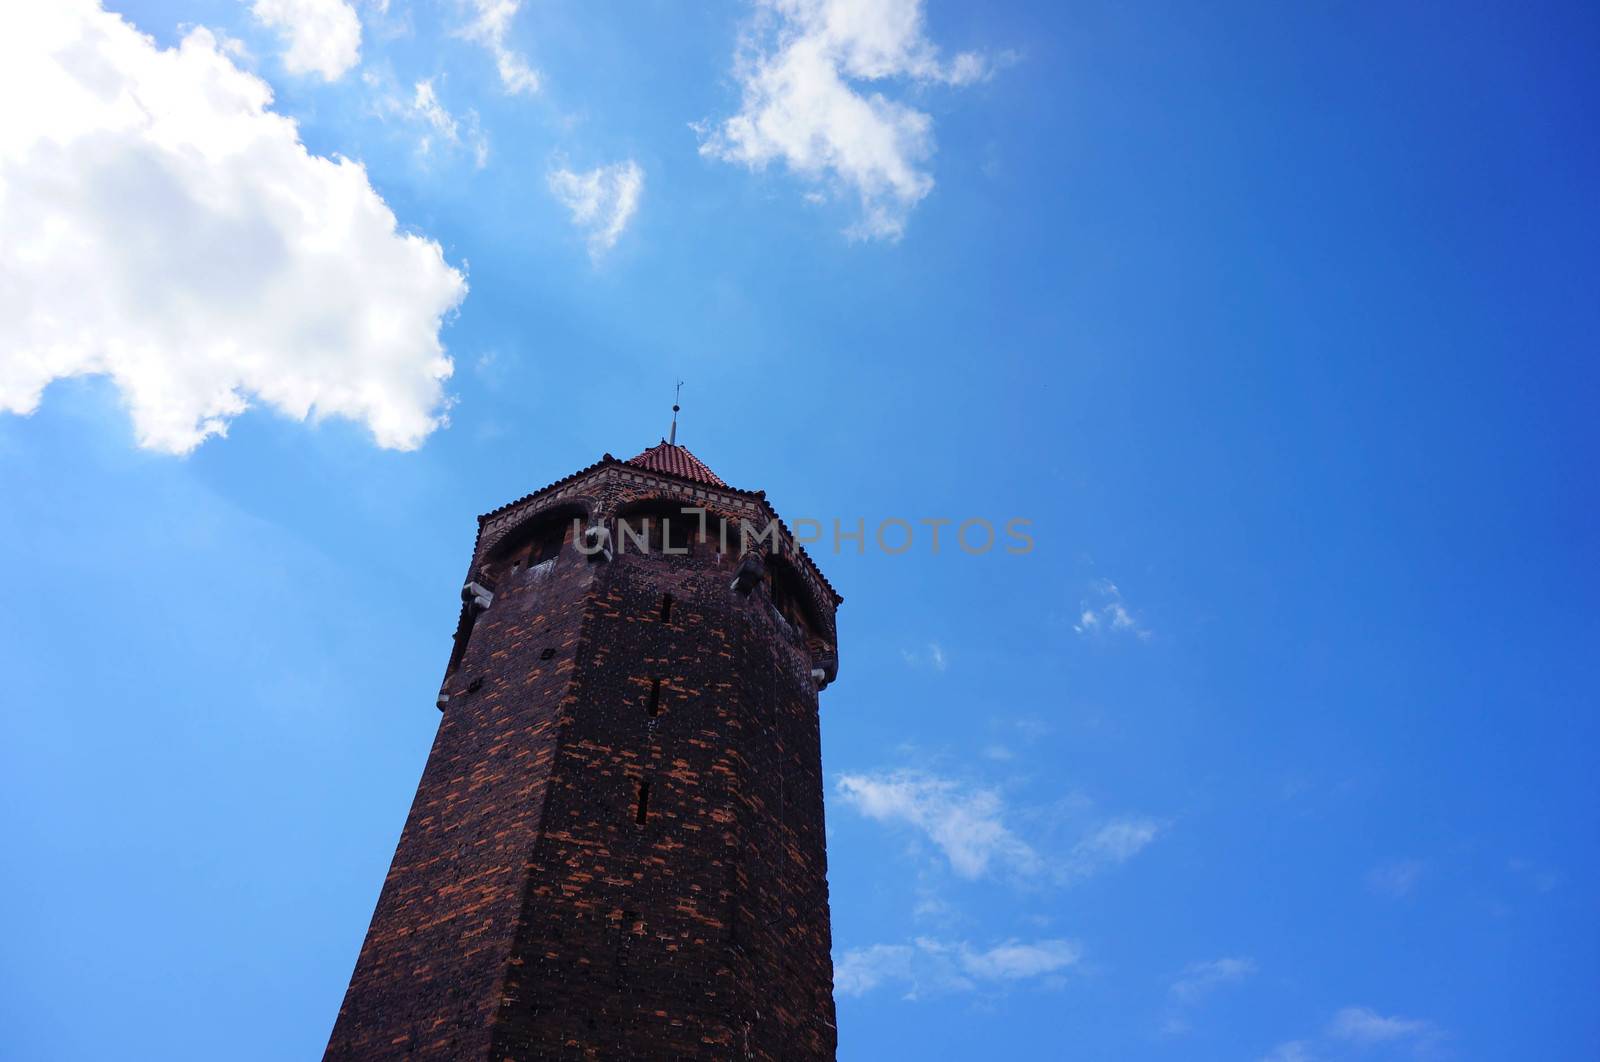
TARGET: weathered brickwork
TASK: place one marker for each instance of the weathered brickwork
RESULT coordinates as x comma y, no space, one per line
529,913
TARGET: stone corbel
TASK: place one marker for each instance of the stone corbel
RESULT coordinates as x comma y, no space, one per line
596,543
749,574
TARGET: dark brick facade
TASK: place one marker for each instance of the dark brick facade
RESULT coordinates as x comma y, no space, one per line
528,913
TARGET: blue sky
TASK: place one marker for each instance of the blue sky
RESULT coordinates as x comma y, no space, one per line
1277,321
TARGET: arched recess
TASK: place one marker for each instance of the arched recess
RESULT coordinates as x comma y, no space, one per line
791,596
539,537
661,520
530,546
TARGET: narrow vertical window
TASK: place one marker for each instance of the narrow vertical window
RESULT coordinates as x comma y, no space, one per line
654,707
666,609
677,538
644,803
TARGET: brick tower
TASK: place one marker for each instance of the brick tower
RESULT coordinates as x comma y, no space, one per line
616,850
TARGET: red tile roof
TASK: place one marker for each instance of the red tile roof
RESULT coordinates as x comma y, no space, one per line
677,461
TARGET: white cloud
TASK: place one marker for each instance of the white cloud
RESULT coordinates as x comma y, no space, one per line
1541,877
161,225
966,824
1031,729
319,36
1107,613
931,906
1395,879
1110,844
439,131
963,822
928,966
804,73
489,26
425,104
1200,979
1364,1026
933,657
860,970
602,200
1014,961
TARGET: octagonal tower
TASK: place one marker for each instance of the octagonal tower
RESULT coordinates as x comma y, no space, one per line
616,850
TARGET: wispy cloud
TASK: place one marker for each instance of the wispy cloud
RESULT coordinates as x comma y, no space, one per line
931,967
425,103
1030,728
1362,1027
490,26
811,73
932,906
1395,879
860,970
1365,1026
438,132
1114,842
966,824
933,656
1198,981
963,822
602,201
1105,613
1542,878
320,37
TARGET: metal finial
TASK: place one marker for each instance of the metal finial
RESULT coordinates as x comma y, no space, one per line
676,392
